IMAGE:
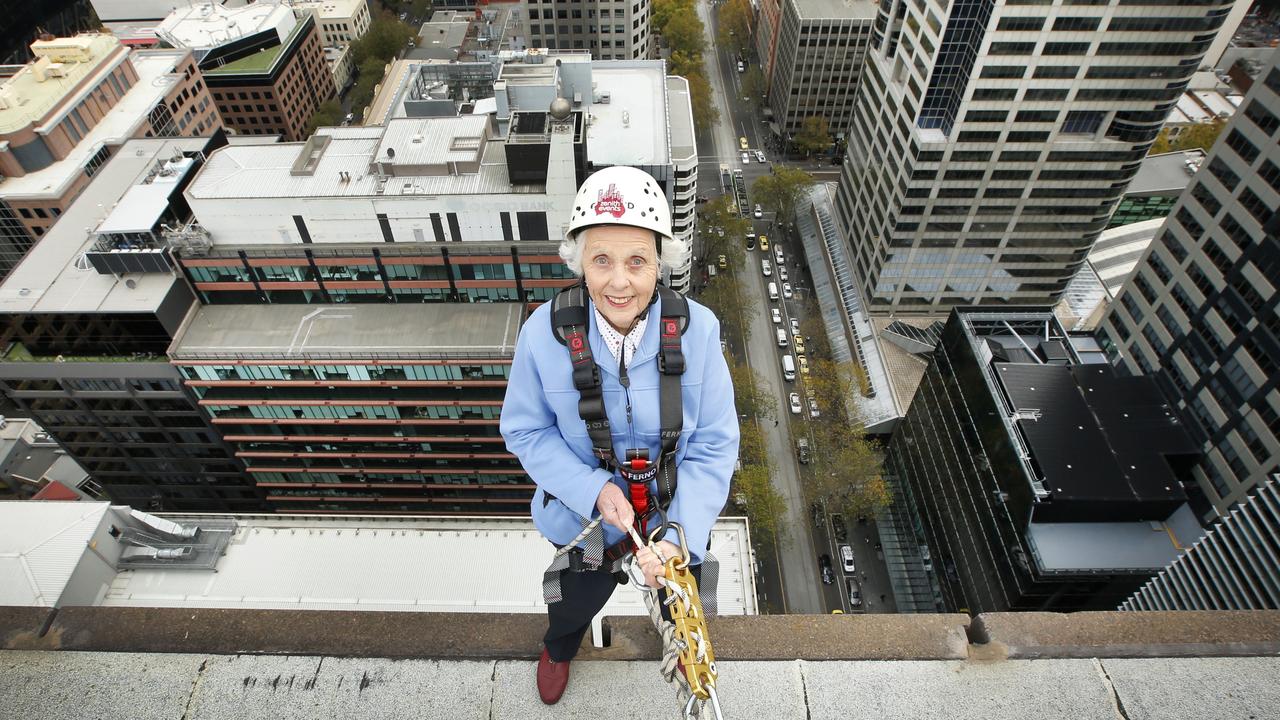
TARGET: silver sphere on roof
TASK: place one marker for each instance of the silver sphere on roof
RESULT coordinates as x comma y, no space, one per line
561,108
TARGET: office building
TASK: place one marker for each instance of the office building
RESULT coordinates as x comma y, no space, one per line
458,207
358,408
85,321
1037,478
33,466
65,113
818,58
340,22
1233,567
264,64
607,30
768,24
992,141
1201,311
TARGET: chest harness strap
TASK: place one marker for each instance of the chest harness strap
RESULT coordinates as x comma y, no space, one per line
570,324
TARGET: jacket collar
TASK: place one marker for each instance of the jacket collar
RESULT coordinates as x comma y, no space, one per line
647,350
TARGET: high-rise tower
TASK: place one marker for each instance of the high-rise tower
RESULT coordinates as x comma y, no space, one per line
1201,311
991,141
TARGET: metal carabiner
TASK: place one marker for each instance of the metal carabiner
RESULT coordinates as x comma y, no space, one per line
684,545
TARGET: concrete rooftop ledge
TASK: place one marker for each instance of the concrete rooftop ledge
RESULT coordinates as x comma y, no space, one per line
182,664
405,635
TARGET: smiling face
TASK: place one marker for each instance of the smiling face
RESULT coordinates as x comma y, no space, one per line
620,264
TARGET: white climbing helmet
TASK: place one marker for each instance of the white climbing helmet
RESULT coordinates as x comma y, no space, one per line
621,195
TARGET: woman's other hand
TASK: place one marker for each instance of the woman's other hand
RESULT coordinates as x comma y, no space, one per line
614,507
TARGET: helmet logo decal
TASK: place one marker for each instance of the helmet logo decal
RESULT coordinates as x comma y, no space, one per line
610,201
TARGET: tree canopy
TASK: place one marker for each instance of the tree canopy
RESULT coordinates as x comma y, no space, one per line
814,135
847,467
780,191
735,25
677,22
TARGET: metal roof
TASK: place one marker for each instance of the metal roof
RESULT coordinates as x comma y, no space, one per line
411,564
343,170
40,545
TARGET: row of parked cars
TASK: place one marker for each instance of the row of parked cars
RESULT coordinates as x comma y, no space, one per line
841,533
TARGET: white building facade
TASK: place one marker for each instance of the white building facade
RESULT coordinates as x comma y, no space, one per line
991,141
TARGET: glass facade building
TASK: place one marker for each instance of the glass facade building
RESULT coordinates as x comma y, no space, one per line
1031,474
1200,312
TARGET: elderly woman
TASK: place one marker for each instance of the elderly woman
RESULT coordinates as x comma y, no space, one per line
619,240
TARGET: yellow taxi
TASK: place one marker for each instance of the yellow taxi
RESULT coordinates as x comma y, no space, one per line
724,262
764,243
804,365
742,142
798,343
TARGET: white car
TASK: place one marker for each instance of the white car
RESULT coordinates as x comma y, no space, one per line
742,67
777,316
813,409
777,254
846,555
795,326
782,272
760,156
795,403
765,268
757,213
746,159
786,290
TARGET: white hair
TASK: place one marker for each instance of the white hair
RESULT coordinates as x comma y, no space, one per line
674,252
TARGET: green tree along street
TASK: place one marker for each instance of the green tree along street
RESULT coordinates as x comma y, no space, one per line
1200,135
753,399
846,469
765,506
735,25
328,114
814,136
386,37
682,32
723,230
780,191
753,486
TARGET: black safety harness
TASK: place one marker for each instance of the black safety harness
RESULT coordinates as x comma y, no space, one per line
570,324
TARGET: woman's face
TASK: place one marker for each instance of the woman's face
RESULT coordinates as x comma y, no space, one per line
620,264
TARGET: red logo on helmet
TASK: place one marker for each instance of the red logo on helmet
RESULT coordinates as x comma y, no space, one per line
610,201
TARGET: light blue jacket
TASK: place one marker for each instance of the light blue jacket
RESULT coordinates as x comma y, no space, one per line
541,425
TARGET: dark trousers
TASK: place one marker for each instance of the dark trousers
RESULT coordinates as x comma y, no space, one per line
583,595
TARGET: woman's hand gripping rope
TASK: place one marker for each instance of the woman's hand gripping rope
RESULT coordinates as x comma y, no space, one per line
691,669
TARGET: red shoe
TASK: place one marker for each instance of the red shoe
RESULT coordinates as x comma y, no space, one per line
553,678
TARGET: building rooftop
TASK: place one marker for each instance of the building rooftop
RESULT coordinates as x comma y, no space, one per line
442,37
330,8
835,9
50,279
1166,173
628,130
163,664
680,118
383,563
155,78
61,66
267,171
441,141
262,61
353,331
207,25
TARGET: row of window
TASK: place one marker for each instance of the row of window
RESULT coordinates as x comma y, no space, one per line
346,372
